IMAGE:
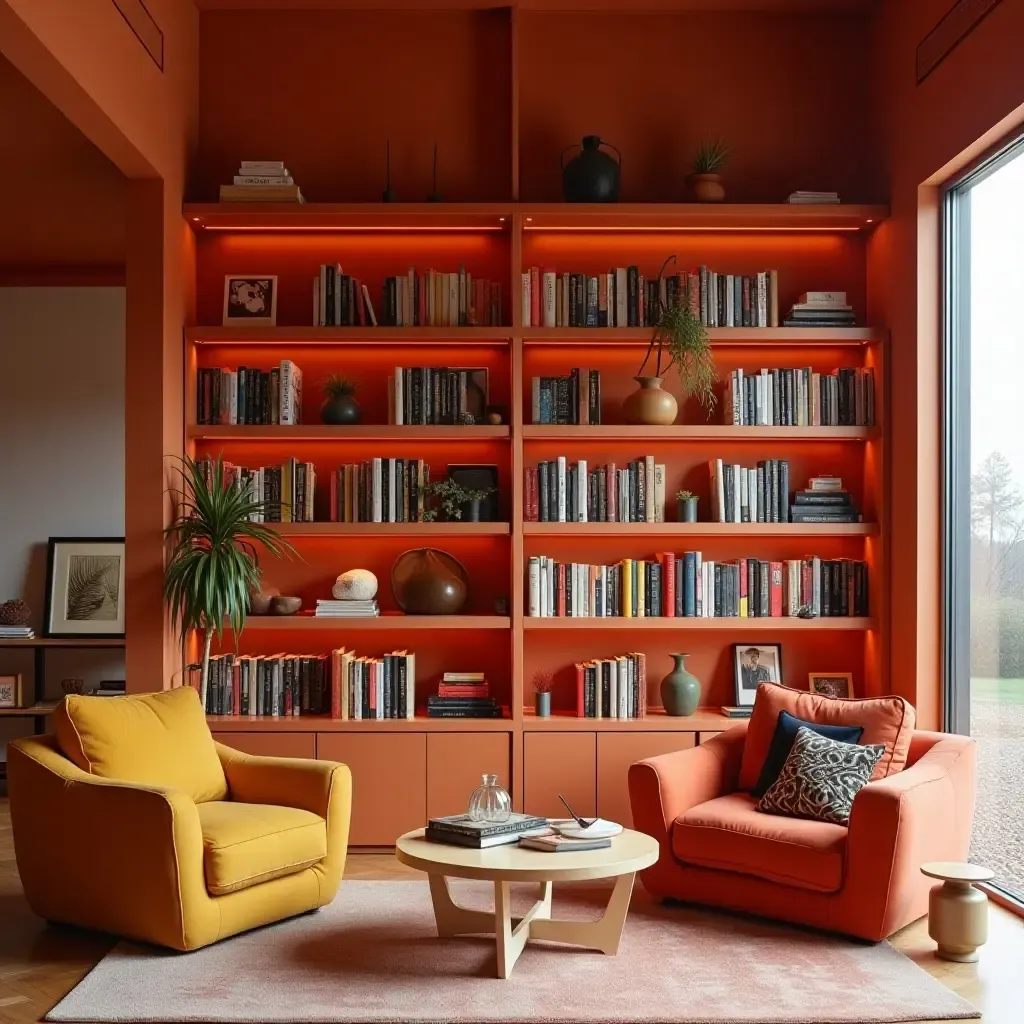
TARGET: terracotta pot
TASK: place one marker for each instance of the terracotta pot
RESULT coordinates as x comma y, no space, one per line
259,600
285,605
706,188
650,405
426,581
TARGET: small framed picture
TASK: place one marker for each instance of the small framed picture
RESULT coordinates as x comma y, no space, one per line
831,684
11,693
754,664
250,300
85,587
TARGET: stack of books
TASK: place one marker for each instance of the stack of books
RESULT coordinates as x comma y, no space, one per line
821,309
16,633
573,400
248,396
750,495
612,687
557,491
800,397
266,181
735,711
464,684
808,196
461,830
551,841
463,695
824,501
330,609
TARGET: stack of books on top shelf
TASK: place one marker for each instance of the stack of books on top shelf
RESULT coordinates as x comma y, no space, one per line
740,494
821,309
249,396
463,695
286,492
689,586
340,300
612,687
810,196
16,633
379,491
330,609
800,397
824,501
573,400
436,299
623,298
437,396
262,181
556,491
461,830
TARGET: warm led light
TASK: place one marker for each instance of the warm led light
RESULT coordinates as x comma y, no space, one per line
677,228
529,220
349,228
869,221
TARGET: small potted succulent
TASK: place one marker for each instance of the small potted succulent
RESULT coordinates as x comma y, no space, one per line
340,407
687,502
543,684
454,499
705,181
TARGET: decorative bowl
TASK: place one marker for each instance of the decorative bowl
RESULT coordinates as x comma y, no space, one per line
284,605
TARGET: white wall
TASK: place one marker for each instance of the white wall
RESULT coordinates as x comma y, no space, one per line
61,450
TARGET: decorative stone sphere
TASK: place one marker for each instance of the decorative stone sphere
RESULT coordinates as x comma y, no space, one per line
355,585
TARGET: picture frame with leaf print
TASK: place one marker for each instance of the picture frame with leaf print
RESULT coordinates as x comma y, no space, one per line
85,588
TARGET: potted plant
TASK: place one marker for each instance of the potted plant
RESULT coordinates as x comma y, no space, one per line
687,502
679,339
453,498
705,181
543,684
340,407
213,564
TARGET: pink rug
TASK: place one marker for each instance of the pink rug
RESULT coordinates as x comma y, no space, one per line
373,957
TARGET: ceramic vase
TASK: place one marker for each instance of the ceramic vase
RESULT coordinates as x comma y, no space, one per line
340,411
706,188
650,405
542,704
687,510
426,581
591,176
680,691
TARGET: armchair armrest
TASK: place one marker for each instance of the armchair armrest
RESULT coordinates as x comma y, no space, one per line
106,854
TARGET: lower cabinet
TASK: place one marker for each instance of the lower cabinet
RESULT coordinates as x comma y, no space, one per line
389,793
615,753
455,764
560,762
270,744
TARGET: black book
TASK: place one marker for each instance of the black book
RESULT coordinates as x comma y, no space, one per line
562,405
632,296
817,498
595,397
591,311
810,514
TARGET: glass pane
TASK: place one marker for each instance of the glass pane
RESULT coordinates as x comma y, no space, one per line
996,239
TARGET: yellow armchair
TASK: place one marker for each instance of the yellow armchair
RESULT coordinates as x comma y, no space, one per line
152,862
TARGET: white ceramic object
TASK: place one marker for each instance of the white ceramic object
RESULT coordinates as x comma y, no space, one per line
355,585
600,829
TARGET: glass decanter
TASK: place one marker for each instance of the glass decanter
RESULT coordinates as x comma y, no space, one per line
490,802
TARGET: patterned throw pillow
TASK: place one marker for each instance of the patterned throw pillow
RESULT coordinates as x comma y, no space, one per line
820,778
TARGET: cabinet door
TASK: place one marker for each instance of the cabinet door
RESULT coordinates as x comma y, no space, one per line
270,744
388,782
705,736
455,763
616,751
560,762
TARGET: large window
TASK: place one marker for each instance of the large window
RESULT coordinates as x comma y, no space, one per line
985,498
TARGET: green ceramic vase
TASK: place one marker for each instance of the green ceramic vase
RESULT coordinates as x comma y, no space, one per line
680,691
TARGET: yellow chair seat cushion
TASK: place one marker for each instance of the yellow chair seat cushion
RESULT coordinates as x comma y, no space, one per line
152,739
245,844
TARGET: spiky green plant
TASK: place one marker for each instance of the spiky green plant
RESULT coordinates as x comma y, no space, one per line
214,560
711,156
336,386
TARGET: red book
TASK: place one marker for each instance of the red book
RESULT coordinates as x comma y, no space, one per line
806,583
580,676
463,690
693,291
336,684
667,561
535,297
560,590
532,510
775,589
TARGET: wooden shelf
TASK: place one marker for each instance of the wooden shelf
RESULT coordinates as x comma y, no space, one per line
361,432
439,529
324,723
734,625
702,720
33,711
349,335
702,432
723,336
302,622
638,530
94,642
349,216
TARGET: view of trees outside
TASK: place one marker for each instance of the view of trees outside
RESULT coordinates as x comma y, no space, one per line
997,521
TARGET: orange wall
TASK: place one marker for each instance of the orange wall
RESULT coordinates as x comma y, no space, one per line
974,97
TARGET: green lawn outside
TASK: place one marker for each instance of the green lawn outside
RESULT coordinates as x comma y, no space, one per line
1002,691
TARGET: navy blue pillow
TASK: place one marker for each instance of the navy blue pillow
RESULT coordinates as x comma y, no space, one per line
782,743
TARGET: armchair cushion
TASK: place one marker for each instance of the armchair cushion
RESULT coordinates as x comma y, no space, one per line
728,834
245,844
886,720
153,739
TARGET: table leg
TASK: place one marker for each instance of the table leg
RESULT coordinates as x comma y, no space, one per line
603,934
511,933
453,919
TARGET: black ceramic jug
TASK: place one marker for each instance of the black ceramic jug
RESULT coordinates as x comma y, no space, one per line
591,176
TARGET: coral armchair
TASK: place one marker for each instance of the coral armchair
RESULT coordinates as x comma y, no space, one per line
132,820
863,880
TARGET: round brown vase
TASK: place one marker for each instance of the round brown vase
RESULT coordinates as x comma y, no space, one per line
650,405
706,188
426,581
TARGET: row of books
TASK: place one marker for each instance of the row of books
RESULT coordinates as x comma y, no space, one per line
612,687
286,491
801,397
572,400
437,395
742,494
556,491
379,491
341,300
689,586
623,297
249,396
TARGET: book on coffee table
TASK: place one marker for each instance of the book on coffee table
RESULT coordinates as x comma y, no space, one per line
553,842
464,825
482,842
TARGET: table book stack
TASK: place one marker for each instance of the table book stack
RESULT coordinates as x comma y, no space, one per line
461,830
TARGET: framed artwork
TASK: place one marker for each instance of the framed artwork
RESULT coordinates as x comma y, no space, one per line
831,684
479,478
250,300
11,693
754,664
85,587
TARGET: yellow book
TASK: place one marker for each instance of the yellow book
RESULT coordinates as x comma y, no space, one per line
287,492
627,588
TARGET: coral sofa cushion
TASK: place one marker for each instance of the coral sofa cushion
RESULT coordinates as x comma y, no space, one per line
245,844
886,720
153,739
729,834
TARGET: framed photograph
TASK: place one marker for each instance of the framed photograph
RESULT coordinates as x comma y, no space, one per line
11,692
85,587
831,684
477,391
250,300
754,664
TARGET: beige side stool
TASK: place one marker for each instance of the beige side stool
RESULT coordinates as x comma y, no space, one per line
957,911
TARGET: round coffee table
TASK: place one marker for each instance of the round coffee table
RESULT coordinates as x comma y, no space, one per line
957,911
629,853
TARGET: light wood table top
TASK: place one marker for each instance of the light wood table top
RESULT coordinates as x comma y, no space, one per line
630,852
956,871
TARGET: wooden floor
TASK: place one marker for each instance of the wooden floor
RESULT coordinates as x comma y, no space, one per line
39,964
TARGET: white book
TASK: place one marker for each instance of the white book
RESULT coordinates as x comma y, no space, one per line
524,307
391,517
410,684
581,491
736,391
613,689
376,492
549,295
289,405
720,488
737,496
621,298
560,487
744,489
536,586
649,488
263,166
275,688
730,307
623,690
659,492
552,587
233,397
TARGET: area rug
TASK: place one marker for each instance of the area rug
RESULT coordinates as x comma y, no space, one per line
373,957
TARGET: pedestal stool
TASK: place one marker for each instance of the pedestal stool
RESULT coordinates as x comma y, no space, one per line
957,910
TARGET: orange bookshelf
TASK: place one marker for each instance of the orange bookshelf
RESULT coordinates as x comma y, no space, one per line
809,245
